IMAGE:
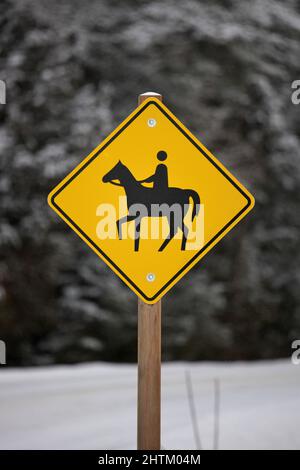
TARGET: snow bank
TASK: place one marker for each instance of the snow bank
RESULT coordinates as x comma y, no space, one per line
94,406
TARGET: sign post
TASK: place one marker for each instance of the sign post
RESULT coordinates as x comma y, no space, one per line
149,359
150,236
149,365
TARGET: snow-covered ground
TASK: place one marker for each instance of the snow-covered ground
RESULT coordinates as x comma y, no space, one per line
94,406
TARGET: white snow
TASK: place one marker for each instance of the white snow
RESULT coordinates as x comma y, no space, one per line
94,406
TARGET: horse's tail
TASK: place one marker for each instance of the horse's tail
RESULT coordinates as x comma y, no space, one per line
196,202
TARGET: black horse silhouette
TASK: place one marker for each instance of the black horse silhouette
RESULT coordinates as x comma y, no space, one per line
165,199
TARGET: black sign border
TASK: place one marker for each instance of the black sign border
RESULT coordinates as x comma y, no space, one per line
97,248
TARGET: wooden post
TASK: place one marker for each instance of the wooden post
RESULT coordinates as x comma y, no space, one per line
149,365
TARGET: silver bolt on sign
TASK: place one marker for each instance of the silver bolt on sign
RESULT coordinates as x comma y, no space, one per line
151,122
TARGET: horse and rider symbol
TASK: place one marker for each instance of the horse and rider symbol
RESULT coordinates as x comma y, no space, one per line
160,195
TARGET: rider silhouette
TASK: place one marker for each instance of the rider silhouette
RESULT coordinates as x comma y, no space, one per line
160,177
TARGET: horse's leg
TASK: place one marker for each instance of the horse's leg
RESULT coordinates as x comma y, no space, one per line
120,222
185,232
137,234
171,233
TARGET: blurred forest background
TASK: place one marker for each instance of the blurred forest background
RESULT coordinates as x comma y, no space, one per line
73,71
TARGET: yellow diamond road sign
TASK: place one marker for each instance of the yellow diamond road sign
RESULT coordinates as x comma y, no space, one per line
151,200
